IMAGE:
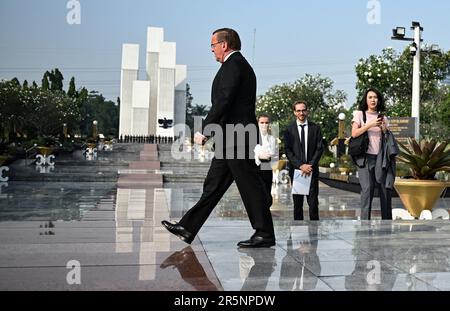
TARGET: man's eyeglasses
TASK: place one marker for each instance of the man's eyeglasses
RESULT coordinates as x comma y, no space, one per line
300,111
214,44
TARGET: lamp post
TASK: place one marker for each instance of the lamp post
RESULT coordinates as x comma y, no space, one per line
65,130
94,129
399,34
341,136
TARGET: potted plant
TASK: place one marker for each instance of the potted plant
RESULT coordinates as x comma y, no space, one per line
91,142
345,164
424,160
324,163
46,145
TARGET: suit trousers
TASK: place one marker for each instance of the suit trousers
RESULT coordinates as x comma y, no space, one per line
266,175
220,176
368,183
312,199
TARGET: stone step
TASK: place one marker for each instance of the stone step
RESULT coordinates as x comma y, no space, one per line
151,165
139,184
64,177
148,157
184,179
142,176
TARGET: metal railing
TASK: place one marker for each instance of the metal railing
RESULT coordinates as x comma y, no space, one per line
27,151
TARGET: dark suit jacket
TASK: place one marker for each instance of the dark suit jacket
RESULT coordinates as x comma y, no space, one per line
293,148
233,99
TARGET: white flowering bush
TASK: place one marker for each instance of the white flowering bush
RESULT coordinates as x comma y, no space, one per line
391,73
324,103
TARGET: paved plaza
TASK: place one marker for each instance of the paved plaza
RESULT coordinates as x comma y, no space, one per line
112,230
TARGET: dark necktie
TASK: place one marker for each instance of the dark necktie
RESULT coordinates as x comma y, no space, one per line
302,144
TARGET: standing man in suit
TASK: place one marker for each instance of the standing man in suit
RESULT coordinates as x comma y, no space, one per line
233,104
304,147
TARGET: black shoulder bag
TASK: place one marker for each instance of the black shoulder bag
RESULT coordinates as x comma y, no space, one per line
357,147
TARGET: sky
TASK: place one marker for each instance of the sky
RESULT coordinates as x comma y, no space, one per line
282,39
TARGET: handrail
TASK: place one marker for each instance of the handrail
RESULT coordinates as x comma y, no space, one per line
26,153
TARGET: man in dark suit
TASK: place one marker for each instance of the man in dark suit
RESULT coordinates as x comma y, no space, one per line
233,104
304,146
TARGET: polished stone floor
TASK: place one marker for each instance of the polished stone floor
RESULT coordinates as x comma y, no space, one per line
117,239
98,236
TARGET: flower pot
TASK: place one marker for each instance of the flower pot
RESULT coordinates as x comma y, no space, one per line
419,195
345,170
45,151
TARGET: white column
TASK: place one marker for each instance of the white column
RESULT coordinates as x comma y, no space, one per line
180,95
140,104
155,38
166,96
129,73
416,82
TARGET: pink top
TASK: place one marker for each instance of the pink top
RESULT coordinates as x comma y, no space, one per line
374,132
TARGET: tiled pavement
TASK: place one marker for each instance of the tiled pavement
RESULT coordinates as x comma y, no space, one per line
114,233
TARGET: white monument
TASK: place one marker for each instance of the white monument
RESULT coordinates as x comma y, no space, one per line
129,73
153,106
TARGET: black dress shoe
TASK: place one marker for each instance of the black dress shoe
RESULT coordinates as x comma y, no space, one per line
179,231
257,242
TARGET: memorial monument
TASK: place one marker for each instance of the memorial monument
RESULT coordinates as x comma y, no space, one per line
152,106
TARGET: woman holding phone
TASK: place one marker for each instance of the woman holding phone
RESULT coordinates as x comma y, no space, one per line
375,125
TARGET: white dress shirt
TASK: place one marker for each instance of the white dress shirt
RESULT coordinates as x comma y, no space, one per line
228,56
268,145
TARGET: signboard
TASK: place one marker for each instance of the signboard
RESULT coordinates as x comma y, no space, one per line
402,128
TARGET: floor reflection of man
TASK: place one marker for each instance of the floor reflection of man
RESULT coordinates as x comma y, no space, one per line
259,274
294,275
190,269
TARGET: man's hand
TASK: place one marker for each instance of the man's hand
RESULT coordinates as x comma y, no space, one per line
306,169
199,139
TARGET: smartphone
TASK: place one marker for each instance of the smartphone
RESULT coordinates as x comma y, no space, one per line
381,116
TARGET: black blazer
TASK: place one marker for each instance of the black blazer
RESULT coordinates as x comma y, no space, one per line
233,97
293,148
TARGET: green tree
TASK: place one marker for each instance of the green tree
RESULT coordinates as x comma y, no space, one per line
72,92
324,103
16,82
189,100
200,110
10,108
435,113
45,83
95,107
32,112
56,80
391,73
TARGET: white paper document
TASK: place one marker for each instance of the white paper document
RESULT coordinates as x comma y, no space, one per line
301,184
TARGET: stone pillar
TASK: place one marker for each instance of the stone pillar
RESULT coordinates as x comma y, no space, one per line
180,95
129,73
140,116
166,96
155,38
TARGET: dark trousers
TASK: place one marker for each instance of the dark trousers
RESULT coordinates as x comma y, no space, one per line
267,177
312,199
368,183
220,176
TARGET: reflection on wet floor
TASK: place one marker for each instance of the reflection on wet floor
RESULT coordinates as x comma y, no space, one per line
116,236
